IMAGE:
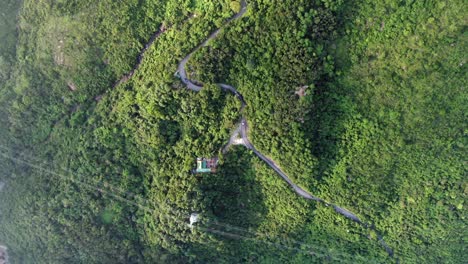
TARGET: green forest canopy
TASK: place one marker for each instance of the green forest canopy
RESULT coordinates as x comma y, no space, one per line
101,174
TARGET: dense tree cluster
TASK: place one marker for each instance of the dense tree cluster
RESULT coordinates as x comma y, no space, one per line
360,103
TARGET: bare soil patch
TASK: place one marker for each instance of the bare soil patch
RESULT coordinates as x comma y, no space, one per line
302,91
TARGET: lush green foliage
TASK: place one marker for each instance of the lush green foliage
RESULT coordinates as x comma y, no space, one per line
395,154
100,174
8,37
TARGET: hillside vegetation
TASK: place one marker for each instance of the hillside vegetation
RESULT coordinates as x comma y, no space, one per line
363,104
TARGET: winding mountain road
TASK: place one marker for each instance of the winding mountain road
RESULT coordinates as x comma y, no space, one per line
243,127
181,71
273,165
181,68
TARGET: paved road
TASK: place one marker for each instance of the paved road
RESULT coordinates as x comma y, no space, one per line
273,165
243,127
181,70
233,139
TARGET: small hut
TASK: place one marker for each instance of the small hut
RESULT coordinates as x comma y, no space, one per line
206,165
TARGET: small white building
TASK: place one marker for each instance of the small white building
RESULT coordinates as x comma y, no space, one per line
193,219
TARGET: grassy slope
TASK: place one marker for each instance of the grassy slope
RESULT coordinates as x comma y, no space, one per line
389,117
400,103
142,137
